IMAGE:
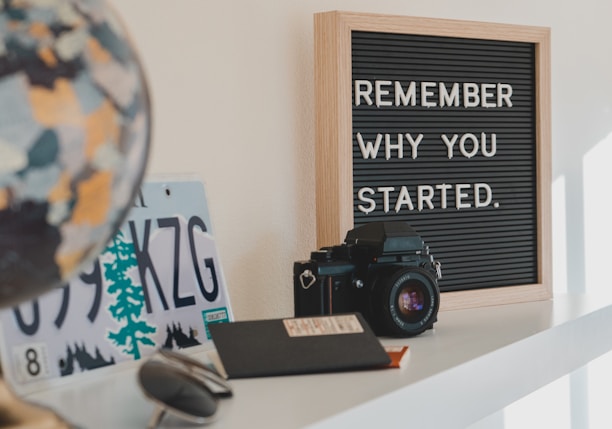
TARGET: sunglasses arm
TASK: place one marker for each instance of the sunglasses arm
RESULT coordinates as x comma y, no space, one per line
223,390
155,419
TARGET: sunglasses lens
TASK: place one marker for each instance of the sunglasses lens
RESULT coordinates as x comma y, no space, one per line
176,390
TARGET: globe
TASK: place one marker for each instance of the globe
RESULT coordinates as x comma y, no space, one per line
74,139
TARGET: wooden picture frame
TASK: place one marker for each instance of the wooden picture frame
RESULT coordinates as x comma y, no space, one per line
335,136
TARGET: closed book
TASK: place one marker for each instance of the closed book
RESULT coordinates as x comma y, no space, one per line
297,346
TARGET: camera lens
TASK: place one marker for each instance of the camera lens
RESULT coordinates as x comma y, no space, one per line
408,301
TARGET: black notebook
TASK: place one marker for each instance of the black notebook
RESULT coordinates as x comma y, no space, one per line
297,346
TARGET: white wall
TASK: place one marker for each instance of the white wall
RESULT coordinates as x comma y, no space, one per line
232,87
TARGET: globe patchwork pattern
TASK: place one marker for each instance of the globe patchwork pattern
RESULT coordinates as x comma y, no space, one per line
74,138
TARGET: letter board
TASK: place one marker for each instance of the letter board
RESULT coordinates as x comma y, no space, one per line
445,125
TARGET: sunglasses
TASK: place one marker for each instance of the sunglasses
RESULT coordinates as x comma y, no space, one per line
181,386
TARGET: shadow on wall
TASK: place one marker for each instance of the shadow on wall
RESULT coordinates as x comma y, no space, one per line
582,231
597,179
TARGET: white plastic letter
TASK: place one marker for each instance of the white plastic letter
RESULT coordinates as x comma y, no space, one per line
443,188
425,194
447,99
460,195
425,93
478,202
403,199
504,92
362,197
489,153
474,140
399,146
369,150
385,191
404,98
363,89
470,95
486,92
414,144
379,91
449,144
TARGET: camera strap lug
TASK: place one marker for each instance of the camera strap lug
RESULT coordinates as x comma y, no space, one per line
307,279
438,267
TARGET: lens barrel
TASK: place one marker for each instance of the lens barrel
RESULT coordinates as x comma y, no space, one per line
404,302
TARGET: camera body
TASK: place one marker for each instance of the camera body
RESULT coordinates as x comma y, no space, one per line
382,270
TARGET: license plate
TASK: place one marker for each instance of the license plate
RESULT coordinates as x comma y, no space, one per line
158,283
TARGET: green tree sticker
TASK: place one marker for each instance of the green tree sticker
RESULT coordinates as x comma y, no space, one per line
129,298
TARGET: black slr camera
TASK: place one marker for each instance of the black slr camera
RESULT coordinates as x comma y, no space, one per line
382,270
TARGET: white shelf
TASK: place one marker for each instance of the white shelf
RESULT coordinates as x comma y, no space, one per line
476,362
